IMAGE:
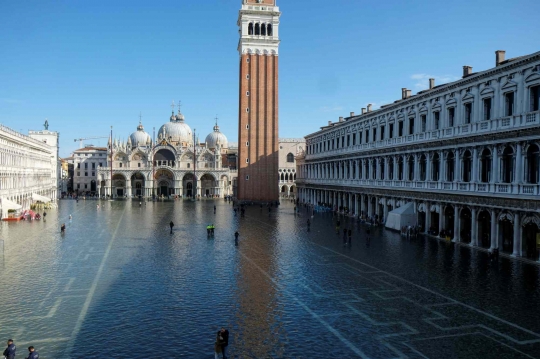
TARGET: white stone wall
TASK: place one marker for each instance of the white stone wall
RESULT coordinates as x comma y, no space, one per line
289,148
27,166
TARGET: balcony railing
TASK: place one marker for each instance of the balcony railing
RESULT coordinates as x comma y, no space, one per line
496,188
498,124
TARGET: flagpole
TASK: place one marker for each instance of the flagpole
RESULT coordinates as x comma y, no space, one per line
111,165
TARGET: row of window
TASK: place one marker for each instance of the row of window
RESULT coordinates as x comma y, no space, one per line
409,127
85,174
412,169
89,154
86,165
260,29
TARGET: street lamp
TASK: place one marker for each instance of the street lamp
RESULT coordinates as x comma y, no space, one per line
194,167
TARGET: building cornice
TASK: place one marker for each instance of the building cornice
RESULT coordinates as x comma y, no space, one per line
437,91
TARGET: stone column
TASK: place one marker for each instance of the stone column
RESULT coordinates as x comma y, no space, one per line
428,217
517,235
474,177
441,217
474,228
457,166
357,175
495,166
385,209
493,234
518,166
457,224
429,157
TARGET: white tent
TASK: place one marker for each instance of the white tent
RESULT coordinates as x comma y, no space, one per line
401,216
40,198
7,204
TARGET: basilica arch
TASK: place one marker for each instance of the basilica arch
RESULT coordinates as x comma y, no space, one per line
119,184
138,184
164,179
209,185
188,185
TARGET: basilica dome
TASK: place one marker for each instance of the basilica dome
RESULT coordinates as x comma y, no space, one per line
216,137
176,131
139,137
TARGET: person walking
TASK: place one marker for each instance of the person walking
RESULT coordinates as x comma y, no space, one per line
212,227
33,353
171,225
308,224
236,234
214,209
337,227
11,350
208,230
224,333
63,228
344,236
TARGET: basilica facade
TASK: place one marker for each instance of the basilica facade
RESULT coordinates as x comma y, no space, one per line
463,155
176,164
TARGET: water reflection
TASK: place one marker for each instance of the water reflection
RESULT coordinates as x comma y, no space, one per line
284,292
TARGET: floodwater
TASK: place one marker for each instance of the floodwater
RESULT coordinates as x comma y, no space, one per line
119,284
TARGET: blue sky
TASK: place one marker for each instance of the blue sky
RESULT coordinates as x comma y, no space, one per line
87,65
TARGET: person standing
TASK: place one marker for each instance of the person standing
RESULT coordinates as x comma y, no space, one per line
218,347
337,227
171,225
63,228
236,234
33,353
308,224
224,333
11,350
214,209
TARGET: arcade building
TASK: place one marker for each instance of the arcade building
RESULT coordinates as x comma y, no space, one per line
464,157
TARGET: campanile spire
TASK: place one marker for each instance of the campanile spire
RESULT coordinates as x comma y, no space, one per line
258,24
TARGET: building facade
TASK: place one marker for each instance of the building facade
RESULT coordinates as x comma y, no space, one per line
258,160
176,164
465,154
86,163
289,148
28,167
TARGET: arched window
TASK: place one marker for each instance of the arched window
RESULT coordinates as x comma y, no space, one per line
450,166
290,158
269,30
257,29
282,177
263,29
508,165
250,29
485,166
467,166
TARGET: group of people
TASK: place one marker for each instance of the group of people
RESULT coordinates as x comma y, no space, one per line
210,230
347,234
11,351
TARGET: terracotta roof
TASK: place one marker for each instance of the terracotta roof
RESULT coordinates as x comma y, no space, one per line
91,149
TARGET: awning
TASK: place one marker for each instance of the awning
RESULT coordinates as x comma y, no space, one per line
40,198
6,204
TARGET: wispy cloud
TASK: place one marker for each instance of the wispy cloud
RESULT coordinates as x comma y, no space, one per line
422,80
331,108
10,100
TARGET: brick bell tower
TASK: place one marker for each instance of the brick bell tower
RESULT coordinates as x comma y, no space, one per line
258,23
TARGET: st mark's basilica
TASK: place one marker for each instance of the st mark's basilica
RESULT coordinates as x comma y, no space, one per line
180,165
